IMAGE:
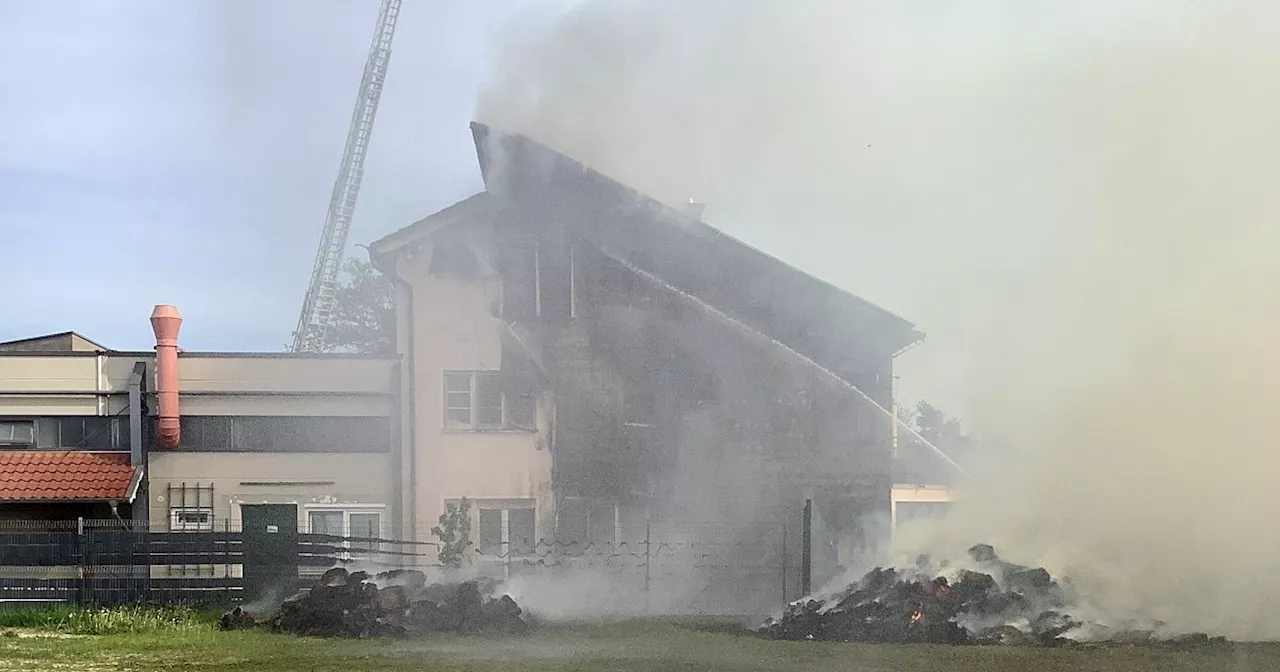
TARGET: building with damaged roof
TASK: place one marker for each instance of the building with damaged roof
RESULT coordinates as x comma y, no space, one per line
588,363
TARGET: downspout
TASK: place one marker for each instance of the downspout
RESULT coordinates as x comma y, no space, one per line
408,405
165,323
137,457
406,466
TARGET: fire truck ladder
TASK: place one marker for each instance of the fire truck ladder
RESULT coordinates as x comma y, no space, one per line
317,307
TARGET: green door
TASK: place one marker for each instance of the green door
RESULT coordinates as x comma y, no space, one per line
270,551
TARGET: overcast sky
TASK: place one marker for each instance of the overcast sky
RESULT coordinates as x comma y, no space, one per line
183,152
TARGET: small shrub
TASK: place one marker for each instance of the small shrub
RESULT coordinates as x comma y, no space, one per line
454,533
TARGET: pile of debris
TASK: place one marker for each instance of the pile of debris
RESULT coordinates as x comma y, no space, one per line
996,602
392,604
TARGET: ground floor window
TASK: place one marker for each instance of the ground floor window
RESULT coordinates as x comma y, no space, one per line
361,526
506,527
190,507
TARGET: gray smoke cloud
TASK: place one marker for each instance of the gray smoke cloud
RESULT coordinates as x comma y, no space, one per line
1075,200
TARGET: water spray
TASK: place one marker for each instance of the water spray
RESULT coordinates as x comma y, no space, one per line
804,359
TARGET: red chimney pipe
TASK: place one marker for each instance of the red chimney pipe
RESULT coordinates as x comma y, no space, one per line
166,322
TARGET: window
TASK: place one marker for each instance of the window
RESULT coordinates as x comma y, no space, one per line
285,434
17,433
507,531
477,400
327,522
365,526
488,399
521,294
191,519
359,525
587,522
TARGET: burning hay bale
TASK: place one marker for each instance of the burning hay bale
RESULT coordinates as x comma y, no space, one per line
395,604
1003,604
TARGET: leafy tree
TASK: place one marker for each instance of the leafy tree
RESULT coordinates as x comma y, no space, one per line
946,433
454,533
364,319
937,427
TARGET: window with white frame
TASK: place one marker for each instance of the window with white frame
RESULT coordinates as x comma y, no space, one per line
476,400
360,526
509,530
191,519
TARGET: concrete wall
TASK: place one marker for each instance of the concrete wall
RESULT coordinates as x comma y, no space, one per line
360,482
454,328
932,494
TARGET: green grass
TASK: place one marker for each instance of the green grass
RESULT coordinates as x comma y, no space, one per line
641,646
118,621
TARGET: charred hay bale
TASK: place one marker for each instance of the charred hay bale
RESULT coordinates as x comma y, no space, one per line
1002,635
1049,627
412,580
392,598
337,576
1194,640
430,616
236,619
502,615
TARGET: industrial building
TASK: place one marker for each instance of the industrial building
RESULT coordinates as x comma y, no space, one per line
85,432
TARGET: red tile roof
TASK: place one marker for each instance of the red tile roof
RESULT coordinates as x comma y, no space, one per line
63,475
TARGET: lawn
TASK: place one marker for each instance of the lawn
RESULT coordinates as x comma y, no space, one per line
642,646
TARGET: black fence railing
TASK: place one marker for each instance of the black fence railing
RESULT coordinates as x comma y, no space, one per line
664,569
95,562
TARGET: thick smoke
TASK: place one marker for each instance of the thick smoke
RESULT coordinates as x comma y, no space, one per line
1073,198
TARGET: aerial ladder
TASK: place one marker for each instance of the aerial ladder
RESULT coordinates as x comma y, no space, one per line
318,306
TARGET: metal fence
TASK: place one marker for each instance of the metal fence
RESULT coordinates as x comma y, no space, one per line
671,570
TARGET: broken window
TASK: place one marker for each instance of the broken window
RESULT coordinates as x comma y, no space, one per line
521,410
586,522
555,283
520,280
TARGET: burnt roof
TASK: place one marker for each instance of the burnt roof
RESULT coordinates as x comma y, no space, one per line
782,301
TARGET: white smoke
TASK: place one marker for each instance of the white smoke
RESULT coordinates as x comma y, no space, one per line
1073,198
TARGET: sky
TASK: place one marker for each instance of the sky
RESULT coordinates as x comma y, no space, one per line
184,152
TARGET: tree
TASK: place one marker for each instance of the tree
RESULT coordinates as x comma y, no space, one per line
913,461
941,430
454,532
364,317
